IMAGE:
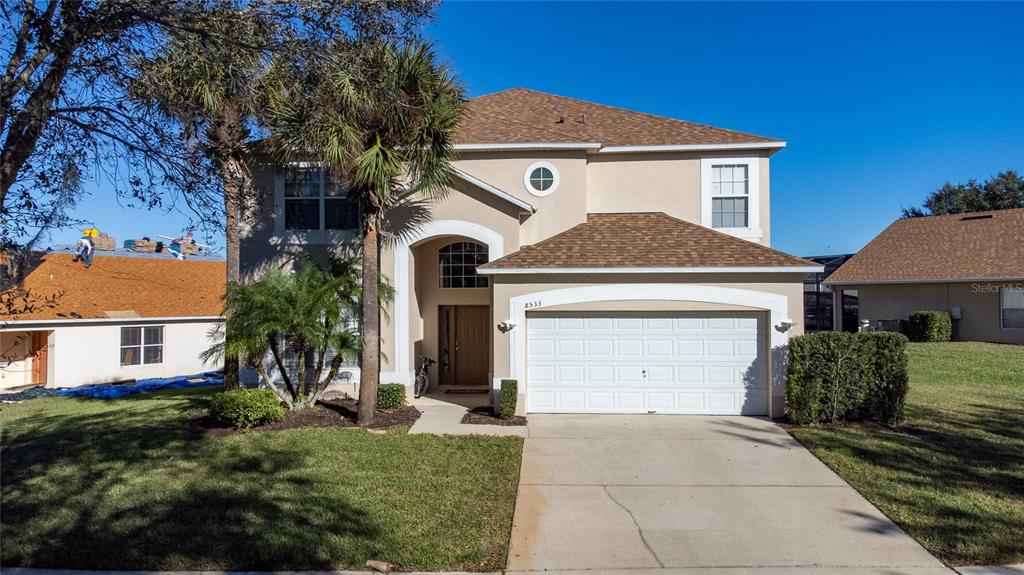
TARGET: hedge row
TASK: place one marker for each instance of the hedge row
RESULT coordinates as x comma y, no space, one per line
930,326
838,376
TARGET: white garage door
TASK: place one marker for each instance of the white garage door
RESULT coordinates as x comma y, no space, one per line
640,363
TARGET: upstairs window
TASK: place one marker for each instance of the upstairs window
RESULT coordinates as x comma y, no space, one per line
541,179
142,345
1011,307
313,200
458,263
730,196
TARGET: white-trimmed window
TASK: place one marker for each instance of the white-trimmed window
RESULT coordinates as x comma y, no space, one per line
541,179
313,201
1011,307
142,345
457,265
730,195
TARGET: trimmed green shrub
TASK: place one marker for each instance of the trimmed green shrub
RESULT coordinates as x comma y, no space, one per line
825,381
835,376
508,398
246,408
930,326
886,355
390,396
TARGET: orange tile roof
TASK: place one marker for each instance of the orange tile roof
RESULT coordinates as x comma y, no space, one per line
520,116
643,240
125,286
980,245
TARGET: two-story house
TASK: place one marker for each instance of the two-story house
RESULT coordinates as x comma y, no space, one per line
610,261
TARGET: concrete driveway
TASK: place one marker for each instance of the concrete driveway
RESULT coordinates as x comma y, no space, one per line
665,493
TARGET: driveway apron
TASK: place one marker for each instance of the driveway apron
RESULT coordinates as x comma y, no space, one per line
686,493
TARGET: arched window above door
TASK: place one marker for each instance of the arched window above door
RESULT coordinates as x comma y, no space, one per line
457,265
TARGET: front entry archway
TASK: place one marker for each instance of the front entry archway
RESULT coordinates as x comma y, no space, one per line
419,293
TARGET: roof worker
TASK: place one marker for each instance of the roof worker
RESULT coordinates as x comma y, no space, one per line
85,247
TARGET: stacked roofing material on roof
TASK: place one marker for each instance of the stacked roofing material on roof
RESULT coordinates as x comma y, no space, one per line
125,286
126,253
957,247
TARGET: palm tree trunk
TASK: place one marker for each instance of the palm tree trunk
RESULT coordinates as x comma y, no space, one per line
369,372
232,185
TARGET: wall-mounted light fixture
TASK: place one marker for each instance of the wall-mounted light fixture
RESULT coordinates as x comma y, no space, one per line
506,326
785,325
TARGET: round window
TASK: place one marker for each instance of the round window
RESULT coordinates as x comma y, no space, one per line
541,179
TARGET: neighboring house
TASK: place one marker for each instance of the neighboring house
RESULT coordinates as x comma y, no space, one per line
819,301
129,316
970,265
628,267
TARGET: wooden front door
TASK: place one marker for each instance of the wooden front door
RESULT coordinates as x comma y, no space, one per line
40,353
465,343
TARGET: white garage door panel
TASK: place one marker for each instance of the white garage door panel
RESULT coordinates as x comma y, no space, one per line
665,364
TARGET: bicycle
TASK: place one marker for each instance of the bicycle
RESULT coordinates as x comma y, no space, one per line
422,376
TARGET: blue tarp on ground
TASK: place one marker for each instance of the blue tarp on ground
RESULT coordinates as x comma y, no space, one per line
115,391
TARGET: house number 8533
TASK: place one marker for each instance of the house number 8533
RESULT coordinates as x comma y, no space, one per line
532,304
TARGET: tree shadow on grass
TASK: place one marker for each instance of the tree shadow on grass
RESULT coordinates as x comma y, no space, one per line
955,476
133,489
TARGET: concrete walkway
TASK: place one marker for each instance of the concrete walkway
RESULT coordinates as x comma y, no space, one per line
660,494
441,416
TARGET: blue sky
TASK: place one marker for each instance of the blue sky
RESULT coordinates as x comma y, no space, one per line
880,103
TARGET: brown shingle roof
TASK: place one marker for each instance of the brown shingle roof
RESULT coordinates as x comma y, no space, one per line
982,245
520,115
643,240
123,286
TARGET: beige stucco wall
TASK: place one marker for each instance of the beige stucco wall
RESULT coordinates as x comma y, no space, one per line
662,182
557,212
260,247
979,303
667,183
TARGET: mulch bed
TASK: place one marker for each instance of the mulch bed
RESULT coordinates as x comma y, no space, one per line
484,415
328,413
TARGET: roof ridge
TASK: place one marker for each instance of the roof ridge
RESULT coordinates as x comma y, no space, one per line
960,214
620,108
534,245
561,236
730,236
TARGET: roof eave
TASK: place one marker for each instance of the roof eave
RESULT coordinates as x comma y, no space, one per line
596,147
651,270
829,281
524,207
772,145
48,323
525,146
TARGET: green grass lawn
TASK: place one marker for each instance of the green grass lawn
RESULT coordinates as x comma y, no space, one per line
953,478
124,485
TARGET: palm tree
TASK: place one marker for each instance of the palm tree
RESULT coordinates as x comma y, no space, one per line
212,87
383,117
307,312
